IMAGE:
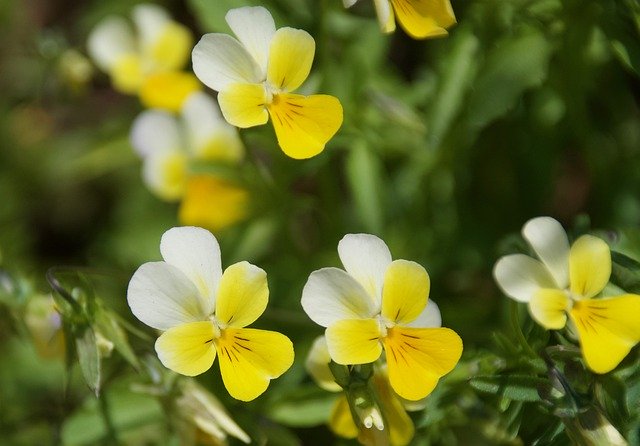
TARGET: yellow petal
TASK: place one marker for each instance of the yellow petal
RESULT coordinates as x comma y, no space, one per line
424,18
418,357
405,291
126,74
212,203
589,266
547,306
341,420
290,58
168,90
165,174
244,105
188,348
608,329
304,124
242,296
250,358
355,341
399,424
172,48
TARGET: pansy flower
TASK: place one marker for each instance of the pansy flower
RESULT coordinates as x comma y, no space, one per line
203,313
168,144
256,74
562,286
421,19
378,304
146,62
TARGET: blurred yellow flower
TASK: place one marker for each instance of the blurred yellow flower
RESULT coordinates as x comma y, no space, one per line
256,74
148,62
204,312
378,303
564,282
421,19
45,326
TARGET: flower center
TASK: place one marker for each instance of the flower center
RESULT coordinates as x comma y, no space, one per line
217,326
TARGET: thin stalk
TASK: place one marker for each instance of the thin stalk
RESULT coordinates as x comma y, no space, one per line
515,323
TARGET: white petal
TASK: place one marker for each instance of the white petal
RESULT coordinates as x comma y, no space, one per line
154,131
195,251
519,276
162,297
220,60
331,295
164,172
150,21
254,28
210,136
549,241
349,3
385,15
429,318
317,365
366,258
110,39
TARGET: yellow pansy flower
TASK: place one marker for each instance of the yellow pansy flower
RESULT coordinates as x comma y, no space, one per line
381,304
147,62
562,285
256,74
203,313
421,19
399,429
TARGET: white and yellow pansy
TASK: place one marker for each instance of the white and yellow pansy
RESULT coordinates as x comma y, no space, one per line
381,304
203,313
421,19
399,429
255,75
561,287
146,61
168,144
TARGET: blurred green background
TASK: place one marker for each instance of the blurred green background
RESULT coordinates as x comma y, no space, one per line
527,108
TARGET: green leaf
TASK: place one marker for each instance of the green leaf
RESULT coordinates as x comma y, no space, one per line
108,326
514,387
364,174
625,272
303,407
515,65
89,358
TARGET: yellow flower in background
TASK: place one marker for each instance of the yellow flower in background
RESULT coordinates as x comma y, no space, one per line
562,285
399,429
381,304
256,74
204,312
167,144
421,19
147,62
45,326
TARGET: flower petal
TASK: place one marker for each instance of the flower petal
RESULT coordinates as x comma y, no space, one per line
162,297
399,424
304,124
589,266
154,131
254,27
548,306
127,74
244,105
165,173
366,258
520,277
341,421
430,317
424,18
220,60
385,16
109,40
355,341
149,20
210,137
242,295
608,329
195,252
418,357
349,3
331,294
549,241
317,365
188,348
212,203
290,58
405,291
168,90
250,358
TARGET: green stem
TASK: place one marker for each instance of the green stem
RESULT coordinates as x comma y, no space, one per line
515,324
111,436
